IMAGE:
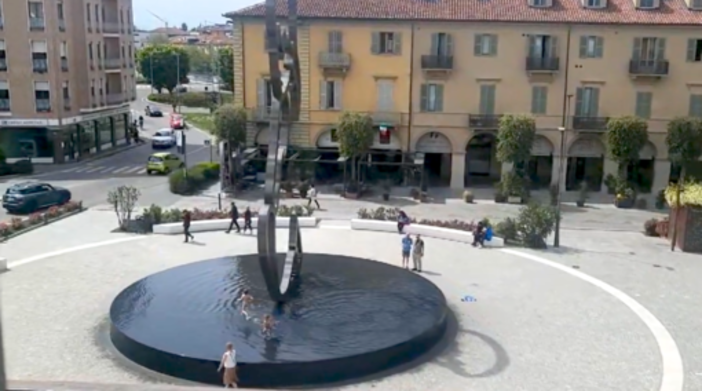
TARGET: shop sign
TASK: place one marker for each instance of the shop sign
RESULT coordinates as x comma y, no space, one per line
24,122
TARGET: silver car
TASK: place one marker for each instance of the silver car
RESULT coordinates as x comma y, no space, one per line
164,138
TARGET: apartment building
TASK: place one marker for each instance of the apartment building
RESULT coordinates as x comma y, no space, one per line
436,76
66,77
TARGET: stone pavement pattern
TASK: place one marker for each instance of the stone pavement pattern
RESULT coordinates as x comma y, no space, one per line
523,333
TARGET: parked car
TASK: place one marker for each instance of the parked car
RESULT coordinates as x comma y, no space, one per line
28,197
177,121
153,111
163,163
164,138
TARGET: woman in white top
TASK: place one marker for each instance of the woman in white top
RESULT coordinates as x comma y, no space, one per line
228,363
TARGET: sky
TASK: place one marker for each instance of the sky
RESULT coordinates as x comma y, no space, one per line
191,12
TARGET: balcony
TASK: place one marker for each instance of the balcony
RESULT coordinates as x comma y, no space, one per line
64,64
5,105
437,62
3,64
115,99
329,61
386,118
590,123
43,105
113,63
484,121
650,68
62,25
40,65
110,28
542,64
36,24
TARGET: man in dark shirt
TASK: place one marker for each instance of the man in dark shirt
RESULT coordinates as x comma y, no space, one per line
186,226
247,220
234,213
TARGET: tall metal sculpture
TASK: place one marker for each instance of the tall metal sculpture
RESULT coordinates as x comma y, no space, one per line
284,84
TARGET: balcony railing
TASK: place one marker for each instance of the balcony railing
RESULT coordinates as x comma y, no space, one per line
40,65
334,60
590,123
484,121
64,64
110,28
437,62
62,25
542,64
385,117
4,105
43,105
115,99
113,63
36,24
3,64
649,67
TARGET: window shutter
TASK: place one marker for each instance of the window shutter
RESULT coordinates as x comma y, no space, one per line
397,41
487,99
636,55
323,94
660,48
338,94
553,47
579,102
594,102
696,106
691,46
476,45
435,44
375,43
643,105
339,42
330,41
449,45
261,92
439,98
493,44
533,48
538,100
491,100
599,47
423,98
583,47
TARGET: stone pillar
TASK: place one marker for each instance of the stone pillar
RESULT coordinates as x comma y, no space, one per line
458,170
661,175
56,136
610,167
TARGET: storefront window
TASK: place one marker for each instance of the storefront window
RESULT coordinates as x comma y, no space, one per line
105,130
26,142
120,127
87,136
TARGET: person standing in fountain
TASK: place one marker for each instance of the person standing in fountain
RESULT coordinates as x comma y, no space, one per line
417,254
406,249
187,217
246,300
228,363
247,220
267,326
234,214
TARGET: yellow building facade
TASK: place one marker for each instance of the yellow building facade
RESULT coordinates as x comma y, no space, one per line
439,89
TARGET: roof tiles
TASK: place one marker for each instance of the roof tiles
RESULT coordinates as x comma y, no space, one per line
670,12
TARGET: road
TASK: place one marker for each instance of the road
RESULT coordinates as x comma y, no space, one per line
90,182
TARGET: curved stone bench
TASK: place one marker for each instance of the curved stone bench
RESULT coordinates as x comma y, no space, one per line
223,224
424,230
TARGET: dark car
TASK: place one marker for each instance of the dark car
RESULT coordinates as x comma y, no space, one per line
28,197
153,111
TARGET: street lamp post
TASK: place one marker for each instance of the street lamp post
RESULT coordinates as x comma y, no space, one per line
562,160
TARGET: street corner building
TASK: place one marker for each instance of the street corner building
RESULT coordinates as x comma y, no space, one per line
66,77
437,76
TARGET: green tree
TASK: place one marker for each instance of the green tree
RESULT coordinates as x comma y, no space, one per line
158,39
626,136
230,125
225,65
184,26
201,60
515,138
355,133
684,142
168,62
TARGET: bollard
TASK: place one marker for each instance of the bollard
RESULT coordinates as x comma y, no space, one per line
219,200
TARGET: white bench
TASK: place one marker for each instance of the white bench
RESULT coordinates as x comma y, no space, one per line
3,265
223,224
424,230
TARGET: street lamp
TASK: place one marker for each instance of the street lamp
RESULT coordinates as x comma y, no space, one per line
561,164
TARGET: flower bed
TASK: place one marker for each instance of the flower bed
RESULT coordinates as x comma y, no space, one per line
18,225
390,214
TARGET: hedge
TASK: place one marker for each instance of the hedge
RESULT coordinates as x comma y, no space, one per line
20,167
198,177
691,194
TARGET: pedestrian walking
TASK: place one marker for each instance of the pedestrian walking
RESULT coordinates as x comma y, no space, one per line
228,363
418,254
402,220
247,220
234,214
187,217
406,249
312,197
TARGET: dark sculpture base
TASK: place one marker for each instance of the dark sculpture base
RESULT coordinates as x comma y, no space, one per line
349,318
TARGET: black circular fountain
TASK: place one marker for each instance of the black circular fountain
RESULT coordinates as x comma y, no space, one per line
346,318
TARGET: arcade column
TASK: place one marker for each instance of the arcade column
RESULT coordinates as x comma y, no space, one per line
458,170
661,175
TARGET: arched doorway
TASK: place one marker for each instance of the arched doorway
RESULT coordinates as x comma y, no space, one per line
540,167
585,164
385,158
329,168
437,158
641,173
482,167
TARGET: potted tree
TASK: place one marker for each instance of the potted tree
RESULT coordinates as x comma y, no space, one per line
355,134
515,138
582,195
626,136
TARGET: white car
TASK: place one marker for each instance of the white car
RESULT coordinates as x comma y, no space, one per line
164,138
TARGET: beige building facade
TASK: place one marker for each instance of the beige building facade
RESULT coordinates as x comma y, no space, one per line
67,77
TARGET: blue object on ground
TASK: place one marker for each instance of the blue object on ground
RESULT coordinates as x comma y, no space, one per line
469,299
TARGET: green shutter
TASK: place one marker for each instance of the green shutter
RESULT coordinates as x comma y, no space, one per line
476,44
691,46
599,47
643,104
594,102
552,47
323,95
423,98
449,45
579,102
338,95
435,44
493,44
696,105
439,98
397,42
538,99
375,42
330,38
487,99
583,47
660,49
636,53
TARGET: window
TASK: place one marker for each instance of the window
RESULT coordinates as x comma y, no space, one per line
385,93
40,61
432,98
649,49
3,56
539,3
587,102
384,136
330,93
129,20
696,105
441,44
97,14
264,95
647,3
593,3
694,50
386,43
66,93
336,42
539,99
485,45
487,99
121,17
99,51
64,55
90,52
591,47
36,15
4,96
61,16
131,57
643,104
103,13
87,13
543,46
42,96
92,88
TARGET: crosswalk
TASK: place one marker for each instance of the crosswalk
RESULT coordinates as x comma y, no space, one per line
128,170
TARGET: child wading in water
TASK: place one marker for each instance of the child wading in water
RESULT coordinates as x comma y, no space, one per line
267,326
246,300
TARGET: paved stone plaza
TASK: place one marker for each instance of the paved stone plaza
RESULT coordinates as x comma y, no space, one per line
533,327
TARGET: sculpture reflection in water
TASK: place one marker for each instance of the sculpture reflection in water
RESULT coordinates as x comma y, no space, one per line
281,46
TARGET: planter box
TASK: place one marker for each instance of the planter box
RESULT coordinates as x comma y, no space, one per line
624,203
514,200
353,196
662,228
223,224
